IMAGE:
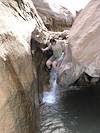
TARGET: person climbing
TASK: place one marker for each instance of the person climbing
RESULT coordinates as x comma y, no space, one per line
57,47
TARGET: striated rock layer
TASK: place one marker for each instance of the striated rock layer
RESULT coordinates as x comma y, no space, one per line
18,77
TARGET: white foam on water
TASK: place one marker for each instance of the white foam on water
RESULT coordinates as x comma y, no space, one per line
50,97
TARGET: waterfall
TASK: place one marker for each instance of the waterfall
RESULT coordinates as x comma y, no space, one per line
50,97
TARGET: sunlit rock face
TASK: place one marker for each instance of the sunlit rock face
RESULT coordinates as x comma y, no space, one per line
18,89
54,20
85,38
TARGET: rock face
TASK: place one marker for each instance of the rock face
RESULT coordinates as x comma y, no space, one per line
18,77
69,70
85,38
54,20
83,55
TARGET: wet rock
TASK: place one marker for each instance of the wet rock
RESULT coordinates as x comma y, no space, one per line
18,77
83,81
40,35
94,80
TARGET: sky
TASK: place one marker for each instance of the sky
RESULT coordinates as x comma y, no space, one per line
72,5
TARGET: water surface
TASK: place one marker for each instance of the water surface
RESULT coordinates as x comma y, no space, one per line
74,111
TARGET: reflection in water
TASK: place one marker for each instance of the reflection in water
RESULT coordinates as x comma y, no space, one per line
76,111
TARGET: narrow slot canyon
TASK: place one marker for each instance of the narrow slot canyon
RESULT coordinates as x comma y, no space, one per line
74,109
49,66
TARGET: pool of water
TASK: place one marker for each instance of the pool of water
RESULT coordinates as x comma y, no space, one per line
73,111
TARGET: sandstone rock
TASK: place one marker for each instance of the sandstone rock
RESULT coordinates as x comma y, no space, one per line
85,38
69,69
18,78
54,20
84,42
59,35
40,35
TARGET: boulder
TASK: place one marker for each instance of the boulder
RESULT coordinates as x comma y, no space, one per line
83,53
69,70
59,35
85,39
54,18
18,76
